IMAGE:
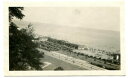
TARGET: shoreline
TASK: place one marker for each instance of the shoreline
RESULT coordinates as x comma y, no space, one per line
98,55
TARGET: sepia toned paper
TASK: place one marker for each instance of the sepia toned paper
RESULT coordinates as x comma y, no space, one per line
63,6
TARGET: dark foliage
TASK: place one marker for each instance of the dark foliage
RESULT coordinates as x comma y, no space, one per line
56,45
15,12
62,42
22,50
52,46
23,53
58,68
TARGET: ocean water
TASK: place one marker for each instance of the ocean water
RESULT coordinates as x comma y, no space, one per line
95,38
103,39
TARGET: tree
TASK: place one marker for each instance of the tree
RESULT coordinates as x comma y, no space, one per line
23,53
58,68
15,12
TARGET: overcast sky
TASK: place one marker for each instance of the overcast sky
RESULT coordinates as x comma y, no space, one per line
89,17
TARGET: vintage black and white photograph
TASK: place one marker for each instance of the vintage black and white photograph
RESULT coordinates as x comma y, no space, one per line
64,38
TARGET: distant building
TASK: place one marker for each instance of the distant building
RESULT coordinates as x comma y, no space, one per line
82,47
39,39
43,38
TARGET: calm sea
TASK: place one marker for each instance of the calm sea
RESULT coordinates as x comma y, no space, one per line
102,39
